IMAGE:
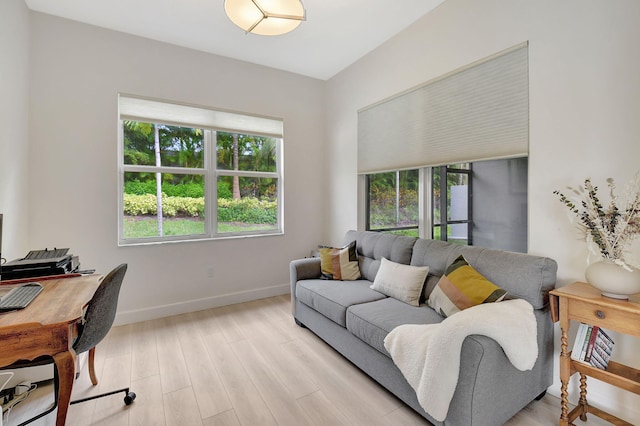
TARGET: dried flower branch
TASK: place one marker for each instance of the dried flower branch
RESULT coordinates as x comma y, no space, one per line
609,229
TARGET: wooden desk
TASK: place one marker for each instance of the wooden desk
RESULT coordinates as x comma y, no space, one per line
48,326
582,302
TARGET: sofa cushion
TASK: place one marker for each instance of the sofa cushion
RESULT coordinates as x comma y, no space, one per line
402,282
371,322
462,287
332,298
339,263
373,246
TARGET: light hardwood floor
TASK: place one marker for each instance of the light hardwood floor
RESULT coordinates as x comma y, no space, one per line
245,364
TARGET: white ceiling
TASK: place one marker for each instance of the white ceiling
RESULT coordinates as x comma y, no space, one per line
336,33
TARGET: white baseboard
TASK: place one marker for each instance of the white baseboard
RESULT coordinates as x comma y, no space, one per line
138,315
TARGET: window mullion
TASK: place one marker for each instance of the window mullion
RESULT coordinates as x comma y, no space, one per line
368,202
211,182
470,205
425,202
280,182
121,170
247,173
164,169
444,198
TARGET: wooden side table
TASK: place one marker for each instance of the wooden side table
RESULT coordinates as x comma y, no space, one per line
584,303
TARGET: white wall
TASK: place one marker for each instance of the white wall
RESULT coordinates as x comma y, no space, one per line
77,71
14,135
584,111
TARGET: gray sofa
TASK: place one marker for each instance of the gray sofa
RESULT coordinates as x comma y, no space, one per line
354,320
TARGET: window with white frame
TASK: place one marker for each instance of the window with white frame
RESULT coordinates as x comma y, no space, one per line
196,173
483,203
392,202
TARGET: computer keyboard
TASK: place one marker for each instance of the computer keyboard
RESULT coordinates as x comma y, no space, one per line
20,297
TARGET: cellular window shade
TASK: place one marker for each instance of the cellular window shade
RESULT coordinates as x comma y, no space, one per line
138,109
477,113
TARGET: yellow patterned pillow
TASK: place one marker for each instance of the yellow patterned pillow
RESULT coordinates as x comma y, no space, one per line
339,263
462,287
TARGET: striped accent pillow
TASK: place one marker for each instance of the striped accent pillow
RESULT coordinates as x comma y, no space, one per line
462,287
339,263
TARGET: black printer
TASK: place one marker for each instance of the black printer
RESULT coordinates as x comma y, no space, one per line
39,263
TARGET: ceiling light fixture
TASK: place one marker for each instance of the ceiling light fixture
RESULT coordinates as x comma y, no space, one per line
265,17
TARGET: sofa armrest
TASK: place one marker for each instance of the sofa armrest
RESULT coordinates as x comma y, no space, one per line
302,269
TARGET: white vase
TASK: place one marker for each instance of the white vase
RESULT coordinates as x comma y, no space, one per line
612,279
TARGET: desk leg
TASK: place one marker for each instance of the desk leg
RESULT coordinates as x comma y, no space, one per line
565,364
583,397
66,365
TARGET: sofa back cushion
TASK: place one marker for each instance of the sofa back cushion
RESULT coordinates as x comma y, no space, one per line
373,246
523,276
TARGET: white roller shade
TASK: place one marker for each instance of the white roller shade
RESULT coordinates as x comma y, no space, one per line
138,109
480,112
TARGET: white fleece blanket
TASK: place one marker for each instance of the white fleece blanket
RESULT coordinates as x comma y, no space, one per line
429,354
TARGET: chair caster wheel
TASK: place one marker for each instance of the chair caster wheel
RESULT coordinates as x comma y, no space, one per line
129,398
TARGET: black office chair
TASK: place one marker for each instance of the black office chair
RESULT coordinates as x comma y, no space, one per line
97,322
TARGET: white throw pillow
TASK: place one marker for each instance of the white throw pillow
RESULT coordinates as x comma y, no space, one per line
402,282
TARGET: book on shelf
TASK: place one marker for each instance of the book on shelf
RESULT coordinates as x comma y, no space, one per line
577,344
582,341
598,362
605,340
591,342
599,358
592,346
